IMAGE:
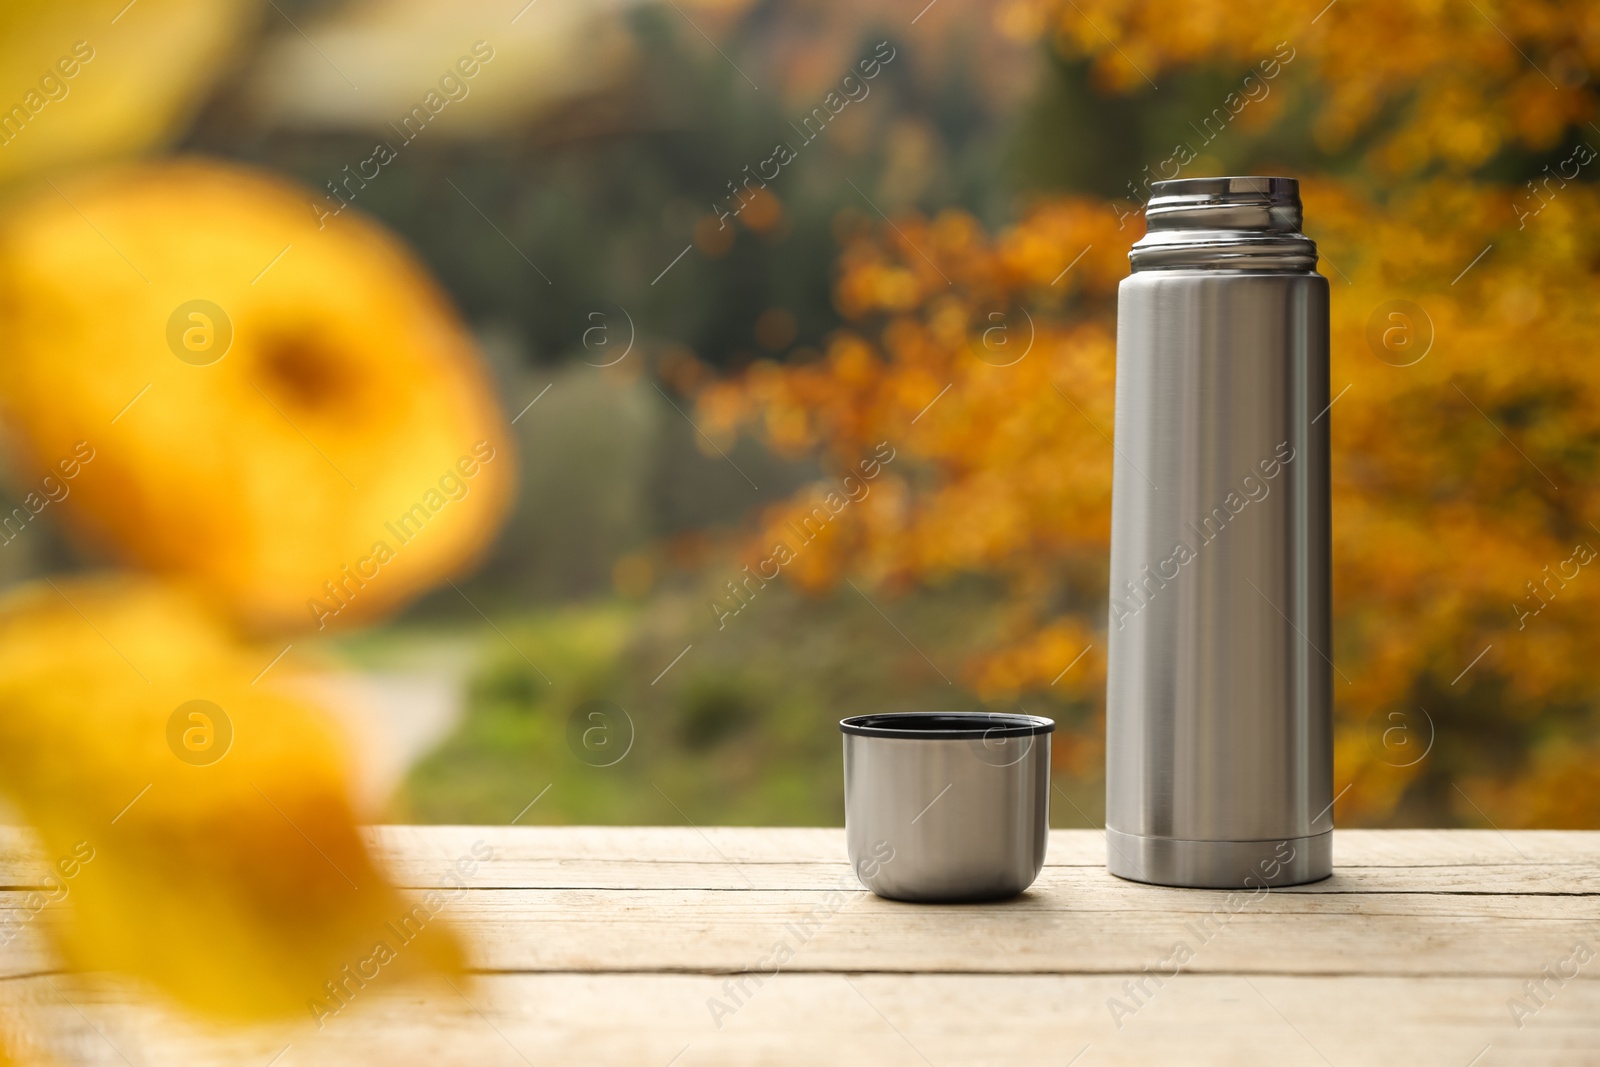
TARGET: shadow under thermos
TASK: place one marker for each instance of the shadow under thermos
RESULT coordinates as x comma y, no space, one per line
1219,692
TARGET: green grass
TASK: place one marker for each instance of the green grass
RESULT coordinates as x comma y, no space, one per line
742,730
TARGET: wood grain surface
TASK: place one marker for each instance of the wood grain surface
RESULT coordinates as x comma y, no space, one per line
677,946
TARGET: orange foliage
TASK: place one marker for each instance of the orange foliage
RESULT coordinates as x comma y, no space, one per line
1450,83
1464,481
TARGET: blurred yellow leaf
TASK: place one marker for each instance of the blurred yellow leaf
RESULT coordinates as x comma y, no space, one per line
249,388
200,812
95,79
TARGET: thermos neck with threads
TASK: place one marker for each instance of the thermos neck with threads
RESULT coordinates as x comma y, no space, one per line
1219,761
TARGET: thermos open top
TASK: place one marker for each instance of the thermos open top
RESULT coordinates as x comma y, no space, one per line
1243,223
1224,203
946,725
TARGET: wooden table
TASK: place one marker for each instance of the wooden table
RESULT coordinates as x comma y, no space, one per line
652,947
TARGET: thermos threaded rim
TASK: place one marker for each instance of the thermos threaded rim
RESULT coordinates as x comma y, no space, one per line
1230,223
1225,203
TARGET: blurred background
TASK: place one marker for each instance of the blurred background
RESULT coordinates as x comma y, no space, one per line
713,255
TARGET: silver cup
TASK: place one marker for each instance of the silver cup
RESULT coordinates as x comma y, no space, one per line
946,806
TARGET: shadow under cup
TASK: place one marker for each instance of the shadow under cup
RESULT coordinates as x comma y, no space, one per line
946,806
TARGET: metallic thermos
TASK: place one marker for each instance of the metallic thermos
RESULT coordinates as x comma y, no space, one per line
1219,739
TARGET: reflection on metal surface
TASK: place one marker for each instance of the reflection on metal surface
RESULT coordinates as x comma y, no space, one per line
960,799
1219,676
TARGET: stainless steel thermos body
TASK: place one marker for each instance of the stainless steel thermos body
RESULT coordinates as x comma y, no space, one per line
1219,762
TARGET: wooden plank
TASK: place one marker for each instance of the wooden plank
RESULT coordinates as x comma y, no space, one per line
732,932
23,945
525,856
869,1020
549,872
1082,848
517,930
1384,848
1413,953
1090,924
1075,920
741,857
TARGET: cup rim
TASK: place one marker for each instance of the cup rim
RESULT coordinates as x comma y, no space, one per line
946,725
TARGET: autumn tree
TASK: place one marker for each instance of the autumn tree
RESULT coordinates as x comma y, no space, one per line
1450,187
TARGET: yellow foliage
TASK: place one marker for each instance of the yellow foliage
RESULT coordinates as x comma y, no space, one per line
96,79
1463,455
216,858
1465,80
315,443
1463,482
